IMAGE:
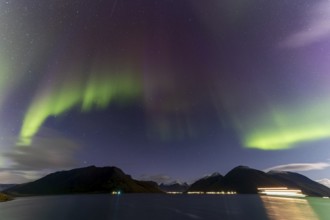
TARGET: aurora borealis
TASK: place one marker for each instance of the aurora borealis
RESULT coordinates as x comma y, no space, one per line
132,83
98,92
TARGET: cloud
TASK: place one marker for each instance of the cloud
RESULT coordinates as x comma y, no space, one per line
325,182
317,29
50,151
299,167
159,178
8,177
45,153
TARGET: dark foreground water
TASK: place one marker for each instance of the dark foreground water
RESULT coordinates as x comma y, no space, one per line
158,207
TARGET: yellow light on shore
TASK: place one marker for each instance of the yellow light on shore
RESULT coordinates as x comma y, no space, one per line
212,192
116,192
281,191
174,193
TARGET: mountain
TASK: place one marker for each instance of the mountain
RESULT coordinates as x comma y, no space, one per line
213,182
243,179
84,180
295,180
6,186
325,182
93,179
174,187
246,180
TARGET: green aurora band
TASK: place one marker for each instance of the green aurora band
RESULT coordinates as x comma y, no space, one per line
284,129
96,93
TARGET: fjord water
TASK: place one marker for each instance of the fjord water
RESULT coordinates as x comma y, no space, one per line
146,206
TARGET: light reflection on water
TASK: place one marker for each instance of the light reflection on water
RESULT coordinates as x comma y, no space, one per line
281,208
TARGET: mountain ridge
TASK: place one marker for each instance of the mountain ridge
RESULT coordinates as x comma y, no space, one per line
246,180
84,180
241,179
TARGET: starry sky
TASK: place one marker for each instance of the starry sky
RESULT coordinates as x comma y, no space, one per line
164,89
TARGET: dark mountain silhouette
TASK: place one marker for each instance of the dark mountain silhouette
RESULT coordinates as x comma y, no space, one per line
174,187
243,179
209,183
295,180
6,186
92,179
84,180
246,180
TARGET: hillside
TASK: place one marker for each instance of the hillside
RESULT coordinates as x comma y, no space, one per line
84,180
246,180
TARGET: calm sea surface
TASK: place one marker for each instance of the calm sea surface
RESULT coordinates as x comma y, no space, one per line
158,207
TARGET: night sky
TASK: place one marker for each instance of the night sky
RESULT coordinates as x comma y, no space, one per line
164,89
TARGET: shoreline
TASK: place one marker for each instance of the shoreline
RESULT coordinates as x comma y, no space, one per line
5,197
